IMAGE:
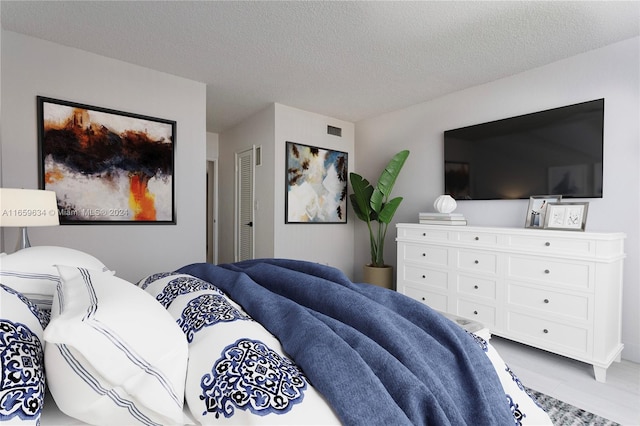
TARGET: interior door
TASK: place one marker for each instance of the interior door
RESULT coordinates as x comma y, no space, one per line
212,212
244,206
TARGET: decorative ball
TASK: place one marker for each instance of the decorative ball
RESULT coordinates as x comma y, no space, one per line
445,204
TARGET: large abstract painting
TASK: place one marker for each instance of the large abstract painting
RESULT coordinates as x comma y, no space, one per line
316,185
106,166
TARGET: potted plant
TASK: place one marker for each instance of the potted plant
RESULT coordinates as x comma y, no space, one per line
373,206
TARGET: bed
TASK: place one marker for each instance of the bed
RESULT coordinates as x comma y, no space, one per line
267,341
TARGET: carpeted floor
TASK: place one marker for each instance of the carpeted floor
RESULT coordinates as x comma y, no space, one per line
563,414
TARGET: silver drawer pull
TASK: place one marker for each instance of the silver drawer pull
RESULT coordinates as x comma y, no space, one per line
476,287
546,300
476,261
545,331
477,238
547,244
546,271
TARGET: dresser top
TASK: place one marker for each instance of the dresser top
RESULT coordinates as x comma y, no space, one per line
550,233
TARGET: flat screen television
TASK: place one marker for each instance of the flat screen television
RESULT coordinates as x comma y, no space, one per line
556,151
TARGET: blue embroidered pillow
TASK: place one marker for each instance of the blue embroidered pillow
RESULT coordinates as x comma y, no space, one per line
22,379
238,372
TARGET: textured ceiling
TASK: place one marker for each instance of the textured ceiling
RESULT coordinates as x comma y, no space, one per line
348,60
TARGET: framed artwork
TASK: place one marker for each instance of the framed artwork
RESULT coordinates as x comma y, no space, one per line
567,216
537,210
316,184
106,166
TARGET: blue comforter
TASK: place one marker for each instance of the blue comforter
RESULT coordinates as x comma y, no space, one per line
378,357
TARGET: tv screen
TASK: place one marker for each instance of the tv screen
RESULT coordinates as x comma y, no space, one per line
552,152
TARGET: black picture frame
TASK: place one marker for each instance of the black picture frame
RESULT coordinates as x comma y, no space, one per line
315,184
106,166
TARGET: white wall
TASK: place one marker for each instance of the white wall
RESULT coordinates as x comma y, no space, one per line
213,141
32,67
257,130
330,244
271,128
611,73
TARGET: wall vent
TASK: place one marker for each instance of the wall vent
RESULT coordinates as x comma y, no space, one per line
335,131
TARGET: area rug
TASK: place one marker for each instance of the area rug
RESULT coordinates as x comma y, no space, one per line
563,414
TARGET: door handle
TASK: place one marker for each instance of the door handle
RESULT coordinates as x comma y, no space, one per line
250,224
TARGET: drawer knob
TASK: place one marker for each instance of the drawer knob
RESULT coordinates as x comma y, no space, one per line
475,286
547,244
546,300
424,254
424,299
476,261
424,276
475,312
424,234
477,238
546,271
545,331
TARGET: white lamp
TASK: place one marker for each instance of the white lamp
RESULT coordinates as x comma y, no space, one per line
27,207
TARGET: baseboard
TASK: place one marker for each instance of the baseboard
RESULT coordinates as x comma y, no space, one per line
631,352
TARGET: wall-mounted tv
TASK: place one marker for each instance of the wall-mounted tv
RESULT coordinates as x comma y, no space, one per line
556,151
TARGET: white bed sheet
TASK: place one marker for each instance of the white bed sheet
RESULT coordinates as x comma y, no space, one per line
52,416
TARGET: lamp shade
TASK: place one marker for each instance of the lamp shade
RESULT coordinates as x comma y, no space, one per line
28,207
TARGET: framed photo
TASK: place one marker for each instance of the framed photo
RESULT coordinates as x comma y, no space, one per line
106,166
567,216
536,212
316,184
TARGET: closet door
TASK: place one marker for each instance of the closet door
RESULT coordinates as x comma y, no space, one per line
244,247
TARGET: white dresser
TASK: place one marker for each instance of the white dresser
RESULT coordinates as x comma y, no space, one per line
560,291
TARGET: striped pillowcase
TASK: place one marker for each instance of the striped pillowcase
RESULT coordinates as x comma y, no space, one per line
113,354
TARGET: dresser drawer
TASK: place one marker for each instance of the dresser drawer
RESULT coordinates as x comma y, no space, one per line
477,311
477,261
547,270
429,277
576,306
475,286
480,238
434,299
428,255
423,233
548,333
552,244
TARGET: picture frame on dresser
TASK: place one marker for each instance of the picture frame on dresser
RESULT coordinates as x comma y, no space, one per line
537,210
567,216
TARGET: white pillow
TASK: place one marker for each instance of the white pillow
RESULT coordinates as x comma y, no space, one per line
22,379
113,355
32,271
218,331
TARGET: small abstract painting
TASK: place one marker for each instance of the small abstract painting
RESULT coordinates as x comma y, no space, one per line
106,166
316,185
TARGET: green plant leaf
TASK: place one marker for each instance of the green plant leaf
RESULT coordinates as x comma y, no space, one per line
362,190
389,210
372,205
390,173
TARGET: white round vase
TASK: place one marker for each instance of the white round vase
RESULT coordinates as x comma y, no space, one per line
445,204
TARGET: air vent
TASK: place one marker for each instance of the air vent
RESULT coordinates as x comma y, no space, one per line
335,131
